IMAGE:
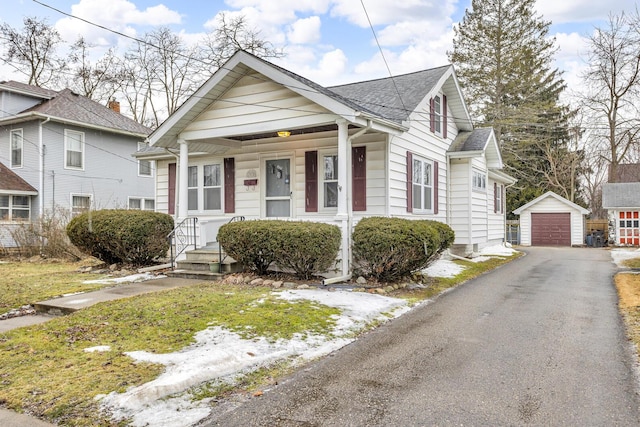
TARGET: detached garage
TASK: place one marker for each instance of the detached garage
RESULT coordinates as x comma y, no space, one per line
551,220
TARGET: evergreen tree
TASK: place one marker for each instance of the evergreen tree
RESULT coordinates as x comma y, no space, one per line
503,57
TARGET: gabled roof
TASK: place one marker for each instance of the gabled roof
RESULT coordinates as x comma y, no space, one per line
25,89
69,107
481,141
374,100
394,98
621,195
12,183
551,194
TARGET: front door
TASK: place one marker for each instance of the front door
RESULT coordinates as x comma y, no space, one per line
278,191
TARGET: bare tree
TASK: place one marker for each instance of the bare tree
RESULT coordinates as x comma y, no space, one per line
32,50
231,35
95,80
612,84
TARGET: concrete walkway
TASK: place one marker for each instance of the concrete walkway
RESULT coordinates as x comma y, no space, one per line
69,304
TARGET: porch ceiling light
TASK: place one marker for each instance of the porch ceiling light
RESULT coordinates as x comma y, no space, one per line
284,133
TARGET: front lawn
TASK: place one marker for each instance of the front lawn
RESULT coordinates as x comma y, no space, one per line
23,283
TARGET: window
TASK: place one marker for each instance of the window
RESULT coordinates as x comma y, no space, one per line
80,204
330,181
629,230
437,114
140,203
73,149
422,184
192,185
479,181
16,148
15,208
212,187
144,166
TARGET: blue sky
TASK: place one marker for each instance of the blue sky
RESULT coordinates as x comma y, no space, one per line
328,41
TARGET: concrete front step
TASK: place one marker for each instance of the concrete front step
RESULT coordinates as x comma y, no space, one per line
195,274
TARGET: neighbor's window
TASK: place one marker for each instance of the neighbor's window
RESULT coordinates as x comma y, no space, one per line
144,166
16,148
15,208
422,184
479,181
80,204
330,181
140,203
73,149
212,187
192,184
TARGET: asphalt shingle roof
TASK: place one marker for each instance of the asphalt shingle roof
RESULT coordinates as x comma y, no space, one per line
11,182
23,87
476,140
71,106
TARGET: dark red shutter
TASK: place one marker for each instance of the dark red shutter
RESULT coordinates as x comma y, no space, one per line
229,185
359,178
432,118
435,188
409,182
503,201
495,197
172,188
444,116
311,181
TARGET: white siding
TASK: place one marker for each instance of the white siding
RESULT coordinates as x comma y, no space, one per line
460,189
551,205
496,220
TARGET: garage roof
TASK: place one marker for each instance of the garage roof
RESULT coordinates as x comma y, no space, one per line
548,194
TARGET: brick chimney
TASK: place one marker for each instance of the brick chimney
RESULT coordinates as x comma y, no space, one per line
114,105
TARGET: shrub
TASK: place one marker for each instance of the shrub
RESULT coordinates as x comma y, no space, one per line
122,236
306,248
389,249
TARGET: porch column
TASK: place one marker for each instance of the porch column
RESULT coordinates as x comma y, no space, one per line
183,180
342,216
343,171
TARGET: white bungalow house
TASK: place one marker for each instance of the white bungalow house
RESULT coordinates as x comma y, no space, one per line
259,141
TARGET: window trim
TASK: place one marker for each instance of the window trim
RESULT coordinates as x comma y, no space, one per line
10,208
142,200
220,186
321,181
142,145
72,195
21,133
437,114
199,188
423,161
67,133
482,178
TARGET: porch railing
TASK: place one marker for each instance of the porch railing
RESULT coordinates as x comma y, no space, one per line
220,259
182,237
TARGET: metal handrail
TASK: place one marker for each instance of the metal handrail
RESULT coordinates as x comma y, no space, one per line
220,259
184,239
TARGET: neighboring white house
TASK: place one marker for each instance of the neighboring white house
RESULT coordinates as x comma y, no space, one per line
259,141
73,153
551,220
622,201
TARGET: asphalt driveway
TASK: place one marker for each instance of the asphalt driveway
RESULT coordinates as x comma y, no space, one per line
538,341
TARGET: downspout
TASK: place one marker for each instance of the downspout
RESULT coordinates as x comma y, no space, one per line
347,276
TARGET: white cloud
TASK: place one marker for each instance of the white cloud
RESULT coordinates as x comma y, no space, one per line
306,30
581,10
328,70
384,12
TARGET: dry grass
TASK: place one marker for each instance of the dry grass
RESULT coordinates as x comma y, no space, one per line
23,283
628,285
632,263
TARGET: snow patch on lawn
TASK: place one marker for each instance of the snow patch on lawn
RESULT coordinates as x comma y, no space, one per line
622,254
222,354
447,268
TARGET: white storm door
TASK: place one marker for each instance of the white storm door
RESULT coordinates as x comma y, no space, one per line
278,188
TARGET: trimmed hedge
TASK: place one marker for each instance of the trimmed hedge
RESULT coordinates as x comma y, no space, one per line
389,249
122,236
306,248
